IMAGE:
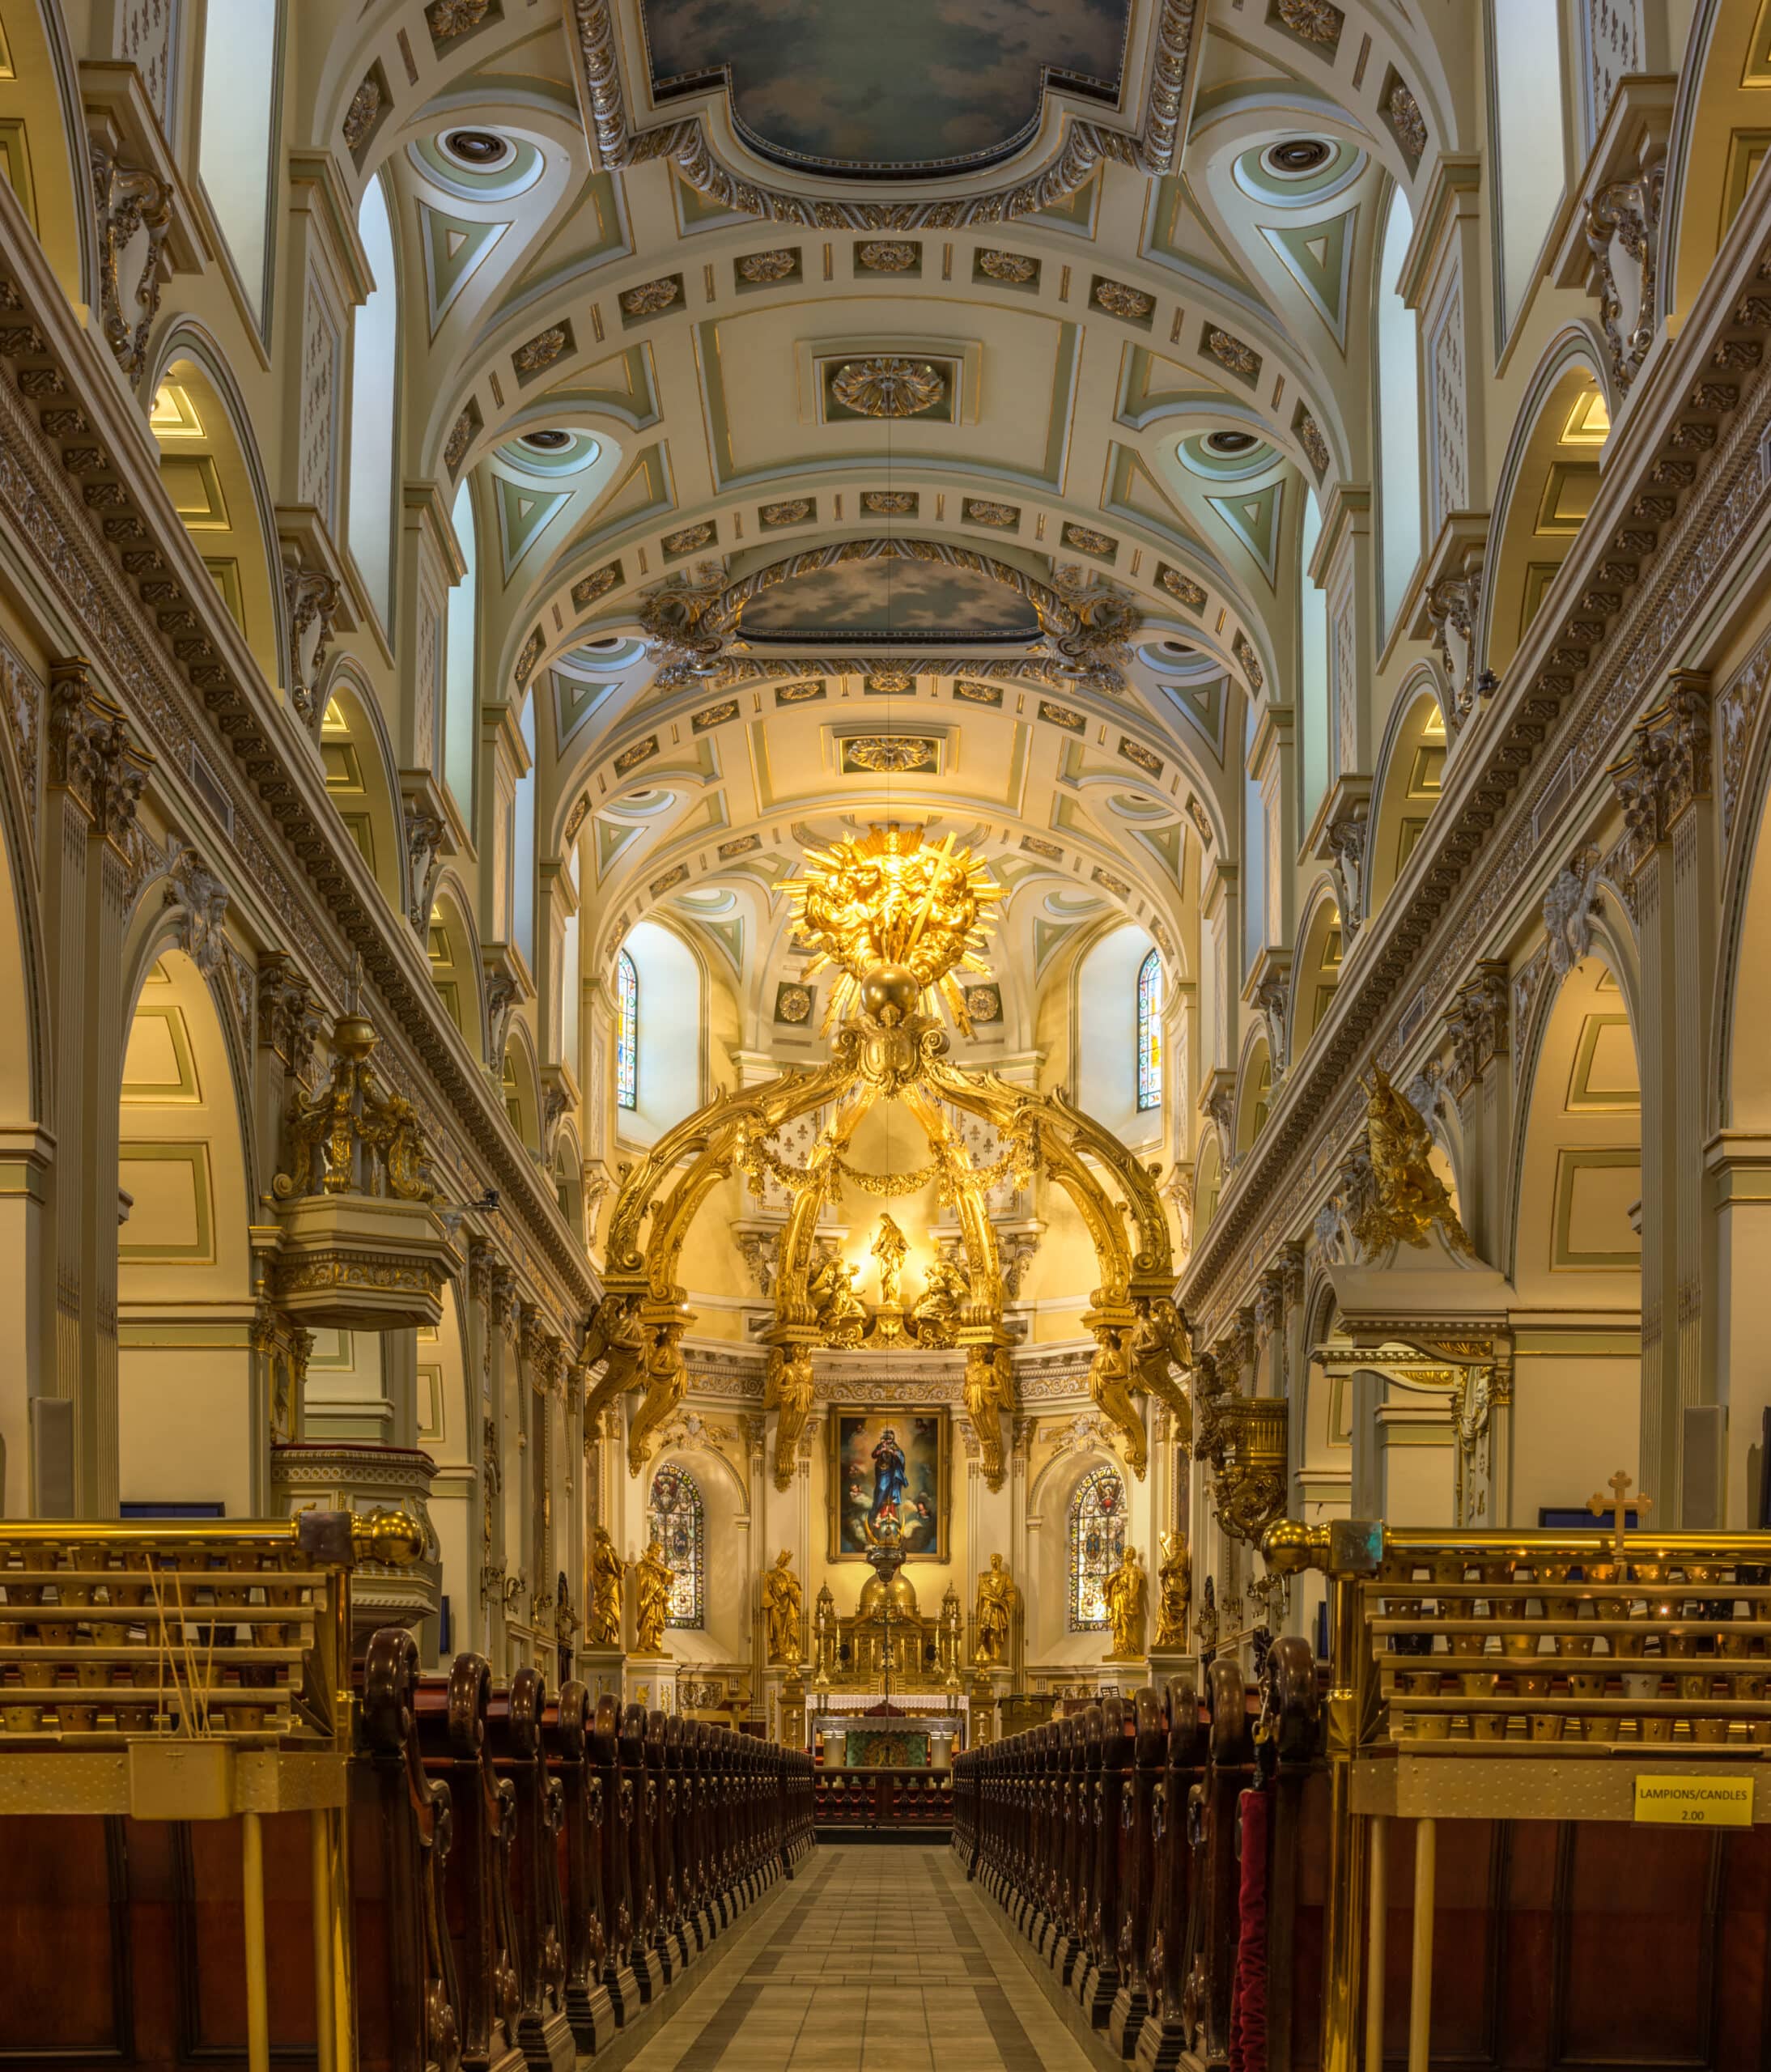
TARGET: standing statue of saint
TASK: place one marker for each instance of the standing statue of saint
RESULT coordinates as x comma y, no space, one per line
652,1579
998,1597
781,1601
607,1569
1174,1591
1126,1593
890,1248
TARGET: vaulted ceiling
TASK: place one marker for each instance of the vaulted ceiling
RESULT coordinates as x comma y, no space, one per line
889,343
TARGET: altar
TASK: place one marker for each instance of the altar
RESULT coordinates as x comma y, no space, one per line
859,1733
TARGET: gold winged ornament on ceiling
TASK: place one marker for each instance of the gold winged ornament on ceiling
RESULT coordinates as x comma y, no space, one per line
898,917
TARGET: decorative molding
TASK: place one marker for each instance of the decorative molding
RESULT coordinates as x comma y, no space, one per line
1152,149
1678,497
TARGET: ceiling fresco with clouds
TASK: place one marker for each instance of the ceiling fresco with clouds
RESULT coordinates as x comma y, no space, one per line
919,84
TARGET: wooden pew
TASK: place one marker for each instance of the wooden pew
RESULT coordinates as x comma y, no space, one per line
514,1722
572,1759
1111,1841
453,1735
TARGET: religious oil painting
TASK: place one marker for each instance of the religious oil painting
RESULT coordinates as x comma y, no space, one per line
888,1466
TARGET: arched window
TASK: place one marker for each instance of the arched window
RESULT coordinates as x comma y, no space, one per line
1398,418
1528,139
676,1519
1110,1080
626,1032
1149,1032
460,728
1097,1545
375,351
667,976
1313,614
522,847
237,131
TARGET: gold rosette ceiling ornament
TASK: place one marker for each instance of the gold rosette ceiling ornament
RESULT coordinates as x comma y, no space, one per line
898,918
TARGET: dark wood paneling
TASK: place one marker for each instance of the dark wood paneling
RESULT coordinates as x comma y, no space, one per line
65,1929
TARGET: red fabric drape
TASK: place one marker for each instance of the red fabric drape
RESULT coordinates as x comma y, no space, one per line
1248,1997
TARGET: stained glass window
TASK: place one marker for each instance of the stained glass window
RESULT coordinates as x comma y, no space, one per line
626,1032
1097,1545
677,1521
1149,1032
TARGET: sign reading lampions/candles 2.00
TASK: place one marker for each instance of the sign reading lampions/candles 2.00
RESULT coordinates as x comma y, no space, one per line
1695,1801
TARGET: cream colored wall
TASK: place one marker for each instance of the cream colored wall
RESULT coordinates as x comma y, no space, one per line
1575,1423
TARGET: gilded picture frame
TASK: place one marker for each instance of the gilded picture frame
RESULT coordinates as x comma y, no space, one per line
880,1454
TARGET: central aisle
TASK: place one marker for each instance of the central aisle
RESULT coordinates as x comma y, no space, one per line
877,1957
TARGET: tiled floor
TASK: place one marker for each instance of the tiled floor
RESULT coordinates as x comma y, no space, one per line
874,1957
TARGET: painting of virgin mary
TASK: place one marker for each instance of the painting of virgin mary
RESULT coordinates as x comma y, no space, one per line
889,1468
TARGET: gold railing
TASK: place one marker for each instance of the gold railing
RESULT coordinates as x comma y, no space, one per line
233,1632
1520,1675
197,1672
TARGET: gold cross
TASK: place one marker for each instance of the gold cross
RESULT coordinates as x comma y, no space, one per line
1618,1503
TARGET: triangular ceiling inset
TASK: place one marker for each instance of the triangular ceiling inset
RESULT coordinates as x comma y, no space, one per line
1316,256
1134,492
574,702
1253,516
523,514
1046,936
611,839
453,250
1168,844
730,936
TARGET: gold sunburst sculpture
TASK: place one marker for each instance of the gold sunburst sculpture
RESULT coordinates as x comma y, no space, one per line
889,898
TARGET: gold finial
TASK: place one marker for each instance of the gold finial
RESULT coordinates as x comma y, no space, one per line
393,1538
1618,1503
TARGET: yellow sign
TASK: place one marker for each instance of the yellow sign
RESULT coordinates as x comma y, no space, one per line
1695,1801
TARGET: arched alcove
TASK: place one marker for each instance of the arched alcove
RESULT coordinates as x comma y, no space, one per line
1548,487
188,1430
1106,980
724,1633
1052,1638
522,1093
1577,1249
360,784
214,488
1207,1183
455,962
40,114
1254,1093
447,1420
1317,971
1409,788
1718,142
